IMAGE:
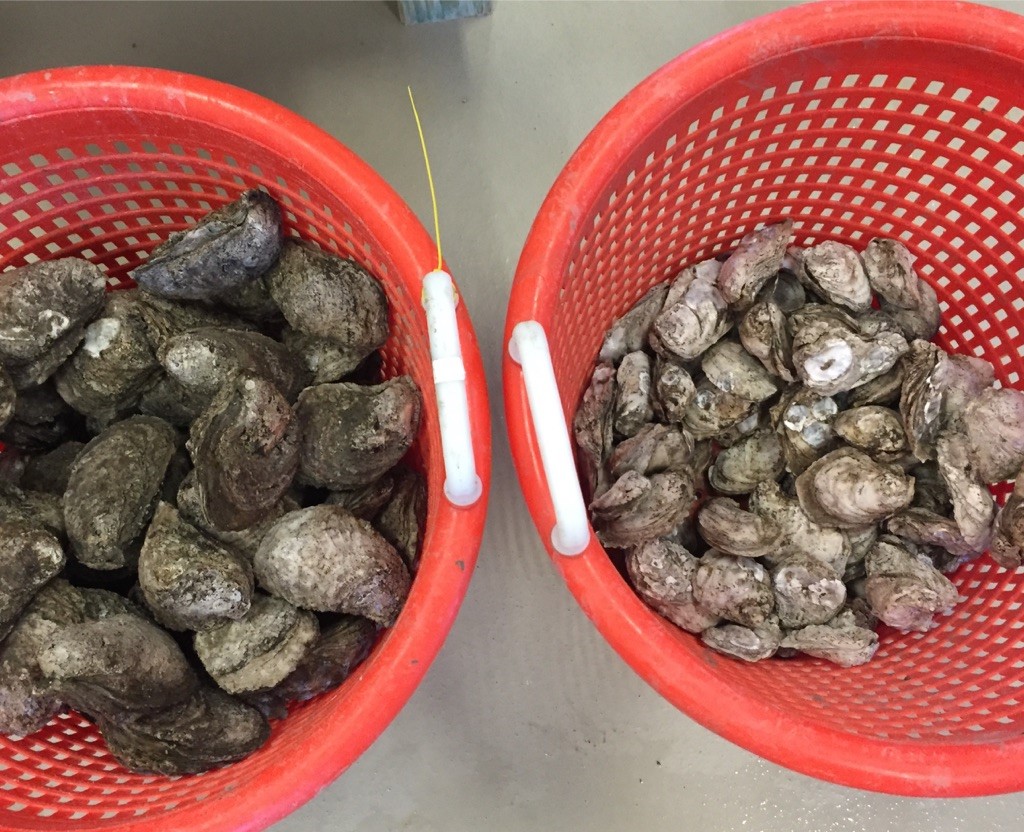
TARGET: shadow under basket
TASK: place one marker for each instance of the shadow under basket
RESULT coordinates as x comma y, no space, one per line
856,123
106,162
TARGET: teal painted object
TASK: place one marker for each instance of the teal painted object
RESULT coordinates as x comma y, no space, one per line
431,11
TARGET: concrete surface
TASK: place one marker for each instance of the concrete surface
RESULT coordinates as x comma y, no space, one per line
527,720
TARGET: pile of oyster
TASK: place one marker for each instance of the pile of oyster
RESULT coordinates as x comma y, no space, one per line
201,517
787,459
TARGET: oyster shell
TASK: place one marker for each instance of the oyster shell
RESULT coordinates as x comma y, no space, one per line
325,559
804,421
733,530
966,378
922,396
673,391
251,300
325,361
629,333
655,448
861,540
877,431
883,390
171,401
34,508
366,502
930,490
227,248
734,370
29,558
636,508
925,528
911,301
835,272
738,470
758,420
737,589
403,518
905,591
844,646
784,290
713,411
51,471
994,425
846,488
164,318
592,426
42,420
113,487
694,317
633,394
799,534
756,260
1007,546
8,397
352,434
807,591
750,645
662,573
764,334
973,507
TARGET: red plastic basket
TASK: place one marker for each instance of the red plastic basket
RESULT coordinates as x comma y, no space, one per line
857,120
105,162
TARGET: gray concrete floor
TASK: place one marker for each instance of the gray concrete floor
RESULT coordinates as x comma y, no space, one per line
527,720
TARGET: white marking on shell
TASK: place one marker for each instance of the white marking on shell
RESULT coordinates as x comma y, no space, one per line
100,335
829,364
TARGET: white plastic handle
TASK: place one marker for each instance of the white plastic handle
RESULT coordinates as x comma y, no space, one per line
528,347
462,486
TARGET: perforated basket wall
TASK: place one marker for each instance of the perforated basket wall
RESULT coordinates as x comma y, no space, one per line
856,122
104,163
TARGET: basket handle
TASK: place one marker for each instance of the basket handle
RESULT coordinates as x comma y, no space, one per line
528,347
462,485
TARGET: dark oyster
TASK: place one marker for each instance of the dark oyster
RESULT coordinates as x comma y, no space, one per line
403,518
51,471
807,591
29,558
593,427
326,361
42,420
636,508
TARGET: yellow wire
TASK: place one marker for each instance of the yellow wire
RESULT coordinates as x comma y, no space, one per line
430,180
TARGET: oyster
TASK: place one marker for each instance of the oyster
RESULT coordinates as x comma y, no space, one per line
169,400
861,540
973,507
323,558
1008,542
734,370
784,290
835,272
804,421
245,447
8,397
366,502
738,470
352,434
328,297
629,333
633,394
655,448
807,591
662,573
750,645
694,317
930,490
732,530
845,646
29,558
163,318
925,528
922,396
404,516
34,508
905,591
756,260
846,488
883,390
51,471
877,431
994,425
764,334
890,270
42,420
636,508
113,487
673,391
713,411
229,247
261,648
737,589
326,361
966,379
189,581
251,300
758,420
799,534
592,427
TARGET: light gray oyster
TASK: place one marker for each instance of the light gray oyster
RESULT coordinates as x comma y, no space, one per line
593,427
877,431
713,411
727,527
51,471
351,434
189,581
807,591
732,369
831,354
1007,548
113,487
736,589
925,528
655,448
922,396
230,246
672,392
259,649
402,519
44,309
994,425
835,272
629,332
883,390
764,334
29,558
633,407
861,541
105,377
662,573
324,558
973,507
803,420
204,360
329,297
800,535
906,591
739,469
756,260
746,643
845,646
245,447
636,508
694,317
847,489
758,420
911,301
966,379
39,509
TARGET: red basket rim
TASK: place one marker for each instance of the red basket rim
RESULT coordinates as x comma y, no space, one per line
898,767
403,657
